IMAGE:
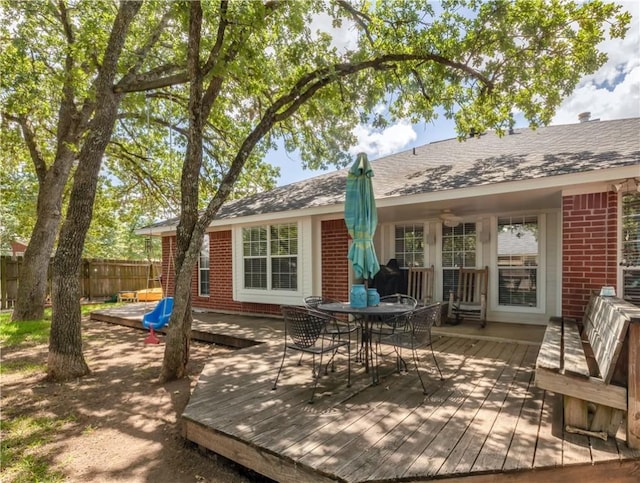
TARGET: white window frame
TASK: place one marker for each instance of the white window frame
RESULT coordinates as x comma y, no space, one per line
623,265
424,241
269,296
206,241
440,259
541,306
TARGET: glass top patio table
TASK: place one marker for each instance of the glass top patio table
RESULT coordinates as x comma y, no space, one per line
383,308
365,316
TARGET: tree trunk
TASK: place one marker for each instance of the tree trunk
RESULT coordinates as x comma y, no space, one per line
176,353
65,359
32,281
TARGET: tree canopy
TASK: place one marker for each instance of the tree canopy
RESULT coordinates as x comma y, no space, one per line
259,71
220,82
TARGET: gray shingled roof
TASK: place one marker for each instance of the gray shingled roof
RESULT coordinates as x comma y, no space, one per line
451,164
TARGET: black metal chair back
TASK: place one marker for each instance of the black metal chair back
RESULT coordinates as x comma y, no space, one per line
389,324
399,298
306,330
303,326
421,321
313,301
414,335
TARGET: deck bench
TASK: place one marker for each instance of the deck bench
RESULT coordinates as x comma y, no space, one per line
595,367
127,296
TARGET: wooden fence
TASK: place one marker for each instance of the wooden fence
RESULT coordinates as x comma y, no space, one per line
99,279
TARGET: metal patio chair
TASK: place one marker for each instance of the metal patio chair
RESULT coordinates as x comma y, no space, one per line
388,325
308,331
416,334
341,327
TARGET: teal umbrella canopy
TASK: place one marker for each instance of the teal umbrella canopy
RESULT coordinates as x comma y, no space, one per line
361,218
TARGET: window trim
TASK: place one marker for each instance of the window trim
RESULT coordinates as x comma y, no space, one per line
620,263
270,296
207,269
425,245
541,284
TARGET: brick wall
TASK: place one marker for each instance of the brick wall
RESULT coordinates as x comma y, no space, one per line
168,269
221,281
589,232
335,265
335,271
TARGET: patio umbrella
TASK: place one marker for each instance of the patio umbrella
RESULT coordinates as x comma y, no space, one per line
361,218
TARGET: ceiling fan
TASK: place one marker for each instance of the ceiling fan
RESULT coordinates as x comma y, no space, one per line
449,219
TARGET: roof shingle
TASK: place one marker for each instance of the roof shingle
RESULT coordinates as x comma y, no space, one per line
451,164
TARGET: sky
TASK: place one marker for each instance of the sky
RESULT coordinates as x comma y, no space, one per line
613,92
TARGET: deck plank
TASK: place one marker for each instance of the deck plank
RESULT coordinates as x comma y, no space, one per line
486,422
365,421
492,455
341,446
395,453
469,445
430,456
549,445
575,449
523,443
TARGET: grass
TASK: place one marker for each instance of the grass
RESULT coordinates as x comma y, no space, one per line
35,331
25,367
28,332
21,460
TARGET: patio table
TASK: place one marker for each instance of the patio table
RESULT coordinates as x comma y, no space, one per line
366,316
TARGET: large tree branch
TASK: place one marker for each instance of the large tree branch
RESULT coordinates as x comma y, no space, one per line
142,52
68,119
215,85
30,140
312,82
302,91
63,16
214,54
147,82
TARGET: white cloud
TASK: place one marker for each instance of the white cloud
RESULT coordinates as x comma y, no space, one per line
613,92
380,143
343,38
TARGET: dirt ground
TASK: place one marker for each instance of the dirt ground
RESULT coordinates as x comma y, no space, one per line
121,423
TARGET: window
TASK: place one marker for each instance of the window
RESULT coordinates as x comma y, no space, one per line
203,267
458,250
270,255
410,245
518,261
631,247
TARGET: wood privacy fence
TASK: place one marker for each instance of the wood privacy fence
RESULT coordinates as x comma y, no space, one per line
99,278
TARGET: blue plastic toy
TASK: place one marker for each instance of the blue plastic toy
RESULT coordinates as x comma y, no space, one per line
157,318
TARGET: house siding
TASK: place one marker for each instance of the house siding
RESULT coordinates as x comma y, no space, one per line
335,265
220,278
167,277
589,234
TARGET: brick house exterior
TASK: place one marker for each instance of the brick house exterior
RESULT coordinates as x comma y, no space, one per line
589,254
564,177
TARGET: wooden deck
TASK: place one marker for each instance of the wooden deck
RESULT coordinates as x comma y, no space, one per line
486,422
